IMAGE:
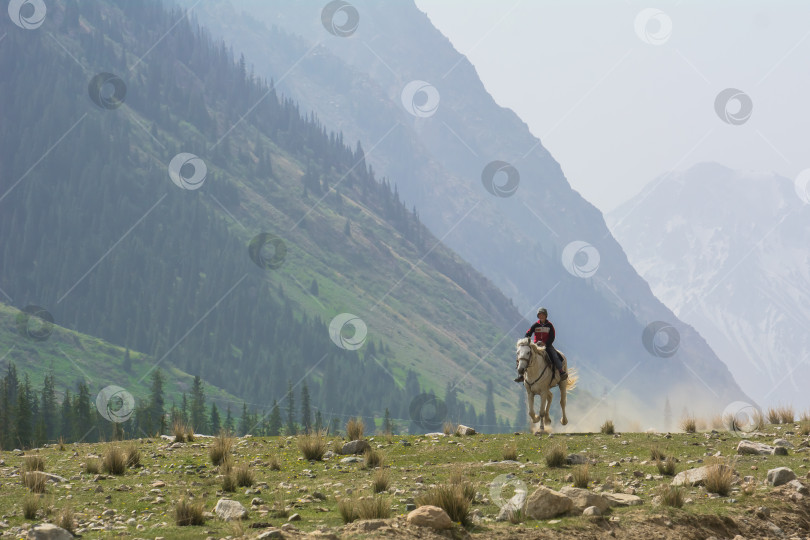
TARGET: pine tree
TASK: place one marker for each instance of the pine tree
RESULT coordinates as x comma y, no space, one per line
127,363
388,424
215,424
243,421
229,426
66,417
83,417
318,422
306,413
198,420
291,429
313,287
274,425
25,433
157,418
47,409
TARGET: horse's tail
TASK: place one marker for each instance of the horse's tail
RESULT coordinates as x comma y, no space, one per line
571,382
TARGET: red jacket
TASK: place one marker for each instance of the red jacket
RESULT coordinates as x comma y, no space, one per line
543,332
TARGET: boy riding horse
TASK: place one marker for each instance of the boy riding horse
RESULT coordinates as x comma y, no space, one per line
543,332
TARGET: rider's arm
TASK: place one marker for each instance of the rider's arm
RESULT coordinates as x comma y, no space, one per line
530,331
550,340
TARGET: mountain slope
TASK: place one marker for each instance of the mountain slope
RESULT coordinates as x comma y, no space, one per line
727,251
437,152
94,230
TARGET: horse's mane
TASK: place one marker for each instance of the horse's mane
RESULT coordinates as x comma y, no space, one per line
527,341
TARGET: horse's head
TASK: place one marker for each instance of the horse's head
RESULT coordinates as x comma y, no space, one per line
524,355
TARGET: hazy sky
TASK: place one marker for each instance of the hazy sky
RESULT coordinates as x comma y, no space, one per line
617,111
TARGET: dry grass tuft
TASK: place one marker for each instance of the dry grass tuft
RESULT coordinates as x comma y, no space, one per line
133,455
451,498
449,428
608,428
380,481
66,520
179,431
804,427
347,510
656,454
32,463
355,428
556,455
114,461
30,506
372,459
244,476
187,513
60,444
274,464
510,452
374,507
582,476
92,466
36,481
786,415
773,415
688,424
672,496
228,482
719,478
666,467
220,448
312,446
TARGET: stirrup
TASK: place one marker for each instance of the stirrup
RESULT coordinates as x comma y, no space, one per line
519,378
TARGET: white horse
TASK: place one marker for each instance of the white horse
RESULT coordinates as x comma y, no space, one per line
534,363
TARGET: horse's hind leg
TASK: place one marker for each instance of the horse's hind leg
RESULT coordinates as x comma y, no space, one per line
547,399
564,420
530,400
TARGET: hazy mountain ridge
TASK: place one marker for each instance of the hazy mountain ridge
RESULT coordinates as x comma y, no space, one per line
727,251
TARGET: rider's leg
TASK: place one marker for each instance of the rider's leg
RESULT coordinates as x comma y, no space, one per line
552,352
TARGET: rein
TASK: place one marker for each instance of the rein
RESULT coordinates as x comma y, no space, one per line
541,373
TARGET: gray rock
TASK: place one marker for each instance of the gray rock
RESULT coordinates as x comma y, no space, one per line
780,475
228,509
271,533
622,499
546,503
49,531
696,477
799,487
512,505
576,459
430,516
294,517
354,447
464,430
762,449
351,459
592,511
582,498
783,442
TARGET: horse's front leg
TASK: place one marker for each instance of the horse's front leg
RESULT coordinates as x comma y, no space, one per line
530,400
547,399
541,417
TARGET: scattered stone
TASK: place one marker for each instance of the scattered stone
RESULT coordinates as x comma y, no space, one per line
351,459
576,459
514,504
763,512
228,509
49,531
780,475
749,447
430,516
592,511
464,430
294,517
354,447
783,442
271,533
546,503
582,499
799,487
697,477
622,499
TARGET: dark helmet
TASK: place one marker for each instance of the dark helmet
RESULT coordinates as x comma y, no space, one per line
542,310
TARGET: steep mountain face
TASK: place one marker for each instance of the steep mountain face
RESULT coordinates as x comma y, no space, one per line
727,251
383,74
154,193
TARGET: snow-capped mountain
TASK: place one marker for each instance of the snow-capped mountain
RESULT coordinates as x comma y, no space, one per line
728,252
